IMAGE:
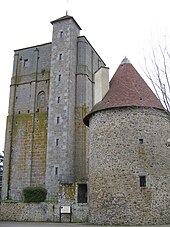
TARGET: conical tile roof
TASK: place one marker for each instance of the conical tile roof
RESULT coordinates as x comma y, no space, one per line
127,89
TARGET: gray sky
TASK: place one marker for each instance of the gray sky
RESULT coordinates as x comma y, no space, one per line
115,28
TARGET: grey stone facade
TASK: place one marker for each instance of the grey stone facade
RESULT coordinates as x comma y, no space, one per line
25,144
114,172
52,89
73,63
127,144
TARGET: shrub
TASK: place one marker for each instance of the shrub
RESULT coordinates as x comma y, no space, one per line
34,194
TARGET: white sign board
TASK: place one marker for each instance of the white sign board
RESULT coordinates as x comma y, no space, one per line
65,209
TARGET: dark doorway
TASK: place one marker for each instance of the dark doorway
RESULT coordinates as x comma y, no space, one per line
82,193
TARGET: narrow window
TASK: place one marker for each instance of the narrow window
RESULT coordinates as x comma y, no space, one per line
19,112
28,111
140,141
37,110
142,181
59,77
61,34
82,193
60,56
56,170
58,99
57,142
25,62
58,120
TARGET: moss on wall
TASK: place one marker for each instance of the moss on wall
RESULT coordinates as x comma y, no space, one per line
68,191
29,141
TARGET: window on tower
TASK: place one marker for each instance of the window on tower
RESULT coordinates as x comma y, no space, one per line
56,170
58,100
142,180
57,142
61,34
58,120
25,62
140,141
60,56
41,100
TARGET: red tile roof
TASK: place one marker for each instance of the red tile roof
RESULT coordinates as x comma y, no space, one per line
127,89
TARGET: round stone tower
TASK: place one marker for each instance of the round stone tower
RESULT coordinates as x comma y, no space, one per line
129,154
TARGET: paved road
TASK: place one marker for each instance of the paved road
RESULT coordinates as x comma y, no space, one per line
45,224
37,224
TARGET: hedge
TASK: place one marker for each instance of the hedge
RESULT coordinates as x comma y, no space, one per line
34,194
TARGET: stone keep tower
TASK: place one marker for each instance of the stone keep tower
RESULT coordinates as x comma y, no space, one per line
129,162
52,89
72,91
61,121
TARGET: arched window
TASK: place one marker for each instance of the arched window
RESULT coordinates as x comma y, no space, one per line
41,100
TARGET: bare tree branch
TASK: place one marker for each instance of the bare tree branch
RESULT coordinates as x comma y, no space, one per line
157,70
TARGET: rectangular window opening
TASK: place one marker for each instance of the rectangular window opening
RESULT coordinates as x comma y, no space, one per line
60,56
59,77
82,193
142,181
25,62
58,120
57,142
61,34
58,99
56,170
140,141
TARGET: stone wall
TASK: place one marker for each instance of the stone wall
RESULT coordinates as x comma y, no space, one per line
26,137
88,62
61,120
40,212
125,145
